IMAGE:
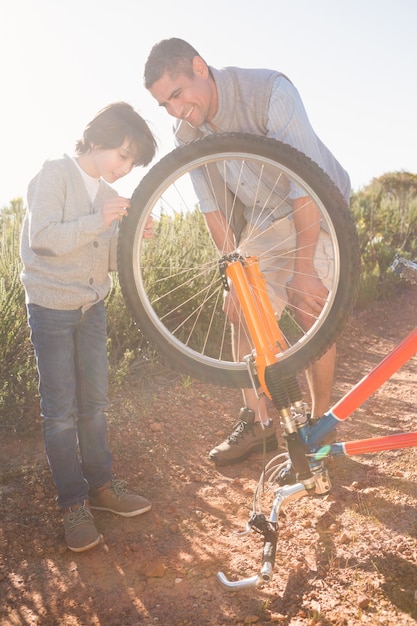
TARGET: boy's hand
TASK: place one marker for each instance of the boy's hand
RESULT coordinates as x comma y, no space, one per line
114,209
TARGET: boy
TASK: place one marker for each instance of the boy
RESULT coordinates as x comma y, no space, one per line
68,246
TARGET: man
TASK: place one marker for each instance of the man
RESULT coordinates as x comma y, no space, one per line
264,102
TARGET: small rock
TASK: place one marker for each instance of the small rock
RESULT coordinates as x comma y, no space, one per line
363,602
155,569
134,547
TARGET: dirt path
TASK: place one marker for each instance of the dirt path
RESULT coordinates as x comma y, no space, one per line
346,558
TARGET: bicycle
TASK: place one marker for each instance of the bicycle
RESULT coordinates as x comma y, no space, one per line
178,307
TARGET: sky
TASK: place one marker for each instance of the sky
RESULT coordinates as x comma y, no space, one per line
353,62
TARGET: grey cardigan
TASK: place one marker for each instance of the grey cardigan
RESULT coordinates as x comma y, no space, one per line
66,249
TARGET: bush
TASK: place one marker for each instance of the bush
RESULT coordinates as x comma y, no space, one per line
183,242
386,218
126,344
18,376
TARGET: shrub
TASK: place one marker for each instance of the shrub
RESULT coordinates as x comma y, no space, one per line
386,218
183,242
18,376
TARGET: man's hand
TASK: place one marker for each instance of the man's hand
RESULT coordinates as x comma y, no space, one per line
306,296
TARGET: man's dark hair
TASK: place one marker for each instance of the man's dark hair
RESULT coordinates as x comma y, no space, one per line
110,127
174,56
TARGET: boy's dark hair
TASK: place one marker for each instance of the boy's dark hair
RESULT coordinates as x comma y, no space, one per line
174,56
110,127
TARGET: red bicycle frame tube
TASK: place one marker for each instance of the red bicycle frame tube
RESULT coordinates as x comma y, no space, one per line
372,381
365,388
377,444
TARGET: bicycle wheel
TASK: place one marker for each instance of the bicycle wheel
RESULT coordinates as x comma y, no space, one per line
172,284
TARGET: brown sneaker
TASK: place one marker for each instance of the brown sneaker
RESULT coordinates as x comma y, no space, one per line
80,532
247,437
116,498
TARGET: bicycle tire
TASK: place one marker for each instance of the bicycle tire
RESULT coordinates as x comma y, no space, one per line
153,272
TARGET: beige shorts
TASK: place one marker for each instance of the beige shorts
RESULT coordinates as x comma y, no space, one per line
275,249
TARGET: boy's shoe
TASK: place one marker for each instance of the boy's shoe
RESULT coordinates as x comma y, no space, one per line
247,437
80,532
116,498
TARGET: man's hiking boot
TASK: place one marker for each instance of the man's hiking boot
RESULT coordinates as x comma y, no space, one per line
247,437
80,532
116,498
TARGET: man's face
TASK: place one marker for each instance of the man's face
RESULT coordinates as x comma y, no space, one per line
191,99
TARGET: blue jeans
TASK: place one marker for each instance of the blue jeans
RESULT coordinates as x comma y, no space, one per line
71,356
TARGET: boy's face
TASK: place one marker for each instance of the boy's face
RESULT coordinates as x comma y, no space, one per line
113,163
191,99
